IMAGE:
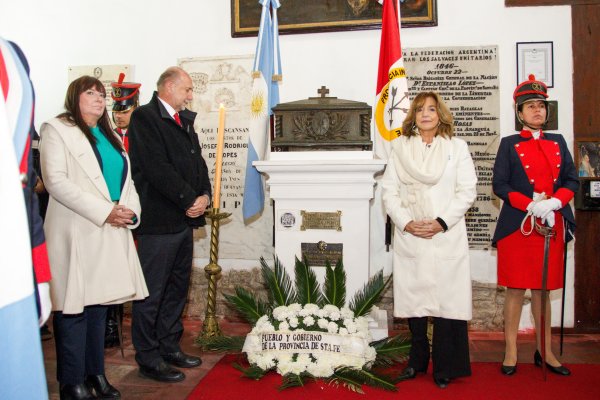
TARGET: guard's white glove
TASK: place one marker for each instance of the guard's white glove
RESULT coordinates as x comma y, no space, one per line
549,219
45,302
543,208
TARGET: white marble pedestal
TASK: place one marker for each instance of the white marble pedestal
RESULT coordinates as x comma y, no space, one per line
318,185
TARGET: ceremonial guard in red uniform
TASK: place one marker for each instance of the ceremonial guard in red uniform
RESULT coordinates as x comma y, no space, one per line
535,176
126,97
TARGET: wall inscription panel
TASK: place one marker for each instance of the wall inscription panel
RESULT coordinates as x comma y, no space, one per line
227,80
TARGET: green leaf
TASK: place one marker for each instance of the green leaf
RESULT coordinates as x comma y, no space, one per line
306,283
227,344
295,380
252,372
391,350
353,378
243,301
369,295
281,291
334,287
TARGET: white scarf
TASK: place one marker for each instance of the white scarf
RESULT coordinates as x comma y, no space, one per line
419,168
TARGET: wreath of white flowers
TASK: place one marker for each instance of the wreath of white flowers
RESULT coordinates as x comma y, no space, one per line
306,333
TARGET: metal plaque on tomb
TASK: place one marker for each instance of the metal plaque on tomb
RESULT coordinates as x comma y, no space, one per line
317,253
322,123
321,220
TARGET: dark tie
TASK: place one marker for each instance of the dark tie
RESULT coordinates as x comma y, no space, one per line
177,119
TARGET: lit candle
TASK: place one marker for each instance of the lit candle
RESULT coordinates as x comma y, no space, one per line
219,158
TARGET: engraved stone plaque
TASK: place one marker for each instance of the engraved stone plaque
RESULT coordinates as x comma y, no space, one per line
317,253
321,220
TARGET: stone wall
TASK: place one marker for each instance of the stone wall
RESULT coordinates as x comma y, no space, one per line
488,299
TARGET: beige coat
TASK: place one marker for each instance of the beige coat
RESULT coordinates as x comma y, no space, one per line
432,277
92,262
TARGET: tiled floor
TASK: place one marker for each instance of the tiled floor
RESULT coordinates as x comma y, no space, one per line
123,374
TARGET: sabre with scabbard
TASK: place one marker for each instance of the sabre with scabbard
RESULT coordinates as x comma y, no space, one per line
547,232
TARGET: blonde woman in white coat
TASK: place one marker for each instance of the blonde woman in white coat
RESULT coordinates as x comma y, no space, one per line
428,186
93,207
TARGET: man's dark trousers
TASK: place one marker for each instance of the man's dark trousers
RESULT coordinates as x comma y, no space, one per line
167,264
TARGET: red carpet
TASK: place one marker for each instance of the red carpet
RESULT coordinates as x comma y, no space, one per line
225,382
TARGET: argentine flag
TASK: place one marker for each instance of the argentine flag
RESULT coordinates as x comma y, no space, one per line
22,368
265,95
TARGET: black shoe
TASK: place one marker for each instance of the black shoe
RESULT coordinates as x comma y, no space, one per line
560,370
182,360
103,389
508,369
407,373
75,392
163,373
442,383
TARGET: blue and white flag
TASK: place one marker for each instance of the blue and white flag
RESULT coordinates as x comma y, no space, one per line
22,368
266,73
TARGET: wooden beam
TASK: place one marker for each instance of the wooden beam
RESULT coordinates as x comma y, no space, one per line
533,3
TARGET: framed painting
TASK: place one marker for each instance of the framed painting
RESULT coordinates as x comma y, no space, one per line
587,162
308,16
535,58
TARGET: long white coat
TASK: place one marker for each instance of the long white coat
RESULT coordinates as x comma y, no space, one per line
92,262
432,276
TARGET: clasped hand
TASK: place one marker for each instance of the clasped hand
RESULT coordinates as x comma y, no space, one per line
198,208
545,210
425,229
120,216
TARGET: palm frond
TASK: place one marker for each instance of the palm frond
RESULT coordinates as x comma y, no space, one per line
281,291
252,372
306,283
295,380
226,344
369,295
355,377
391,350
244,302
349,382
334,287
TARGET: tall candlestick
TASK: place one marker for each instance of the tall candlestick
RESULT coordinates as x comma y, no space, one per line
219,158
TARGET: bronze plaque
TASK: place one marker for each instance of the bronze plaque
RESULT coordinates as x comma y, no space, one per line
321,220
317,253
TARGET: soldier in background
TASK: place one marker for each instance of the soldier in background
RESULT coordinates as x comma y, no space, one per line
126,98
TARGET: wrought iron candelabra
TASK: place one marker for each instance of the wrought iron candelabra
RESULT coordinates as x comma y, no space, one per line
210,328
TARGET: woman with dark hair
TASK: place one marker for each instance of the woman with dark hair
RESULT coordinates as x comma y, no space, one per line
428,186
92,208
535,176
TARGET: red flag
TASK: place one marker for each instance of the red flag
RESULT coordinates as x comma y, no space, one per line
392,87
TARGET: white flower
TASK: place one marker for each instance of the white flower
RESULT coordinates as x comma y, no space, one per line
309,321
322,322
280,313
265,362
332,327
334,316
347,313
293,322
294,309
343,331
309,309
284,326
330,308
350,325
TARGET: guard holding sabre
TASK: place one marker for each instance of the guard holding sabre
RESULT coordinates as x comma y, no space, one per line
535,176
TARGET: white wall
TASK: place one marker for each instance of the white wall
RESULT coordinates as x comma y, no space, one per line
152,35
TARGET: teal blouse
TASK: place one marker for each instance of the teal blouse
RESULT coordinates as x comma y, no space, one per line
112,164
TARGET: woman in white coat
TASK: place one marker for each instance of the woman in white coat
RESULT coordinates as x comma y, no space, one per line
93,207
428,186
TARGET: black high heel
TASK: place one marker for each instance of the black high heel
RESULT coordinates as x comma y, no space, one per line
508,370
560,370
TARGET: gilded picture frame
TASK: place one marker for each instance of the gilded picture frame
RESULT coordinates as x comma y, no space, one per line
309,16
